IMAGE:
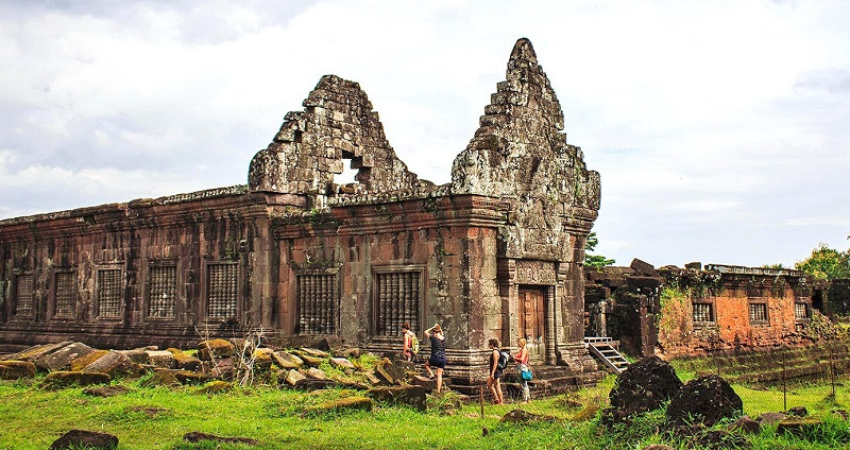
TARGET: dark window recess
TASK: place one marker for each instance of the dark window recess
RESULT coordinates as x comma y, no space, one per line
24,295
758,313
109,292
163,292
318,303
398,300
221,291
64,295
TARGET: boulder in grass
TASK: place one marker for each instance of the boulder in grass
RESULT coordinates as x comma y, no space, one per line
197,436
800,427
62,357
62,379
746,425
216,387
706,400
400,395
106,391
341,405
263,358
388,372
113,363
92,440
215,348
286,360
160,377
644,386
520,416
137,356
14,370
189,377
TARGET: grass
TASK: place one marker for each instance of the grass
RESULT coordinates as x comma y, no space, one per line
157,418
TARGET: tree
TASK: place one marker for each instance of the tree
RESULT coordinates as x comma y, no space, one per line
594,260
826,263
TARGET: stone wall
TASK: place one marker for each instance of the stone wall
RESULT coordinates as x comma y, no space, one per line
696,310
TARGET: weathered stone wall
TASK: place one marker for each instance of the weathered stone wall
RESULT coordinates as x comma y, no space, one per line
185,232
725,293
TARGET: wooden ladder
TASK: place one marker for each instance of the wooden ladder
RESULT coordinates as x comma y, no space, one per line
603,348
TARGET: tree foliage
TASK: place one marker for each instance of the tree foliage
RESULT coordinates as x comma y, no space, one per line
594,260
826,263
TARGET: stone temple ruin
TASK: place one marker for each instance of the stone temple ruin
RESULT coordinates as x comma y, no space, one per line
496,252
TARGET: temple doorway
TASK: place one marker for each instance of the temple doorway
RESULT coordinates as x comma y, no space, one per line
532,321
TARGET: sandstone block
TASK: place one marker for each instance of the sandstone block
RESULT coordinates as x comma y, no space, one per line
286,360
13,370
341,363
162,358
61,358
85,439
61,379
113,363
215,348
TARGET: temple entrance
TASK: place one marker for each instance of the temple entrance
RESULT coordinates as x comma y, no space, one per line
532,321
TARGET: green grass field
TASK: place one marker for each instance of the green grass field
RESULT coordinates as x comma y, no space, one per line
157,418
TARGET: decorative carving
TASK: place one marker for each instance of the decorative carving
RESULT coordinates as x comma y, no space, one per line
221,290
318,304
535,272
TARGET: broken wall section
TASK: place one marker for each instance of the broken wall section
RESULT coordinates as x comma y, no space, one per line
313,145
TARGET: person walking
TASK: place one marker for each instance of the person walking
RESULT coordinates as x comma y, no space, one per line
521,358
496,370
411,344
437,361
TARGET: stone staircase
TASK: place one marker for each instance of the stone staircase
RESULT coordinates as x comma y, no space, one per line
604,349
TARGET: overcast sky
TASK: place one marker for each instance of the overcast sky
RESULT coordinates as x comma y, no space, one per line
720,128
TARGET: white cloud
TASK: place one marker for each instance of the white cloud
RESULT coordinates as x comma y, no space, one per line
719,128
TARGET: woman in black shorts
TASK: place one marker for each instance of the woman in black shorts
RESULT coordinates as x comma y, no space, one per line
438,354
495,375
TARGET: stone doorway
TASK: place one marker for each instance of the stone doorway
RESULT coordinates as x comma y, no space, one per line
532,321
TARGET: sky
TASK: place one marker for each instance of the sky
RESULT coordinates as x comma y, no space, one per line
720,128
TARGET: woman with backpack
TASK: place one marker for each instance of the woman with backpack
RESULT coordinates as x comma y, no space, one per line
411,344
438,354
498,362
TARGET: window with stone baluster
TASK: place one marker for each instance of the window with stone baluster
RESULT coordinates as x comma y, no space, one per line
318,303
64,295
222,293
162,296
109,290
397,298
24,295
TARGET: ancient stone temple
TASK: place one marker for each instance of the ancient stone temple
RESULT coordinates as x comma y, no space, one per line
496,252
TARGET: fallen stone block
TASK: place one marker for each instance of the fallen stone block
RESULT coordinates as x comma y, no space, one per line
186,361
92,440
521,416
286,360
197,436
80,363
316,374
312,361
341,405
164,358
106,391
215,348
314,353
189,377
62,379
706,400
113,363
342,363
160,377
37,351
61,358
216,387
330,343
798,426
400,395
292,377
14,370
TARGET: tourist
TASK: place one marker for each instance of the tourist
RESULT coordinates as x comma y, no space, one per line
437,361
496,368
411,343
521,358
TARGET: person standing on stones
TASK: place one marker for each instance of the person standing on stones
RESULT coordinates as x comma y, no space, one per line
521,358
493,381
437,361
410,342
